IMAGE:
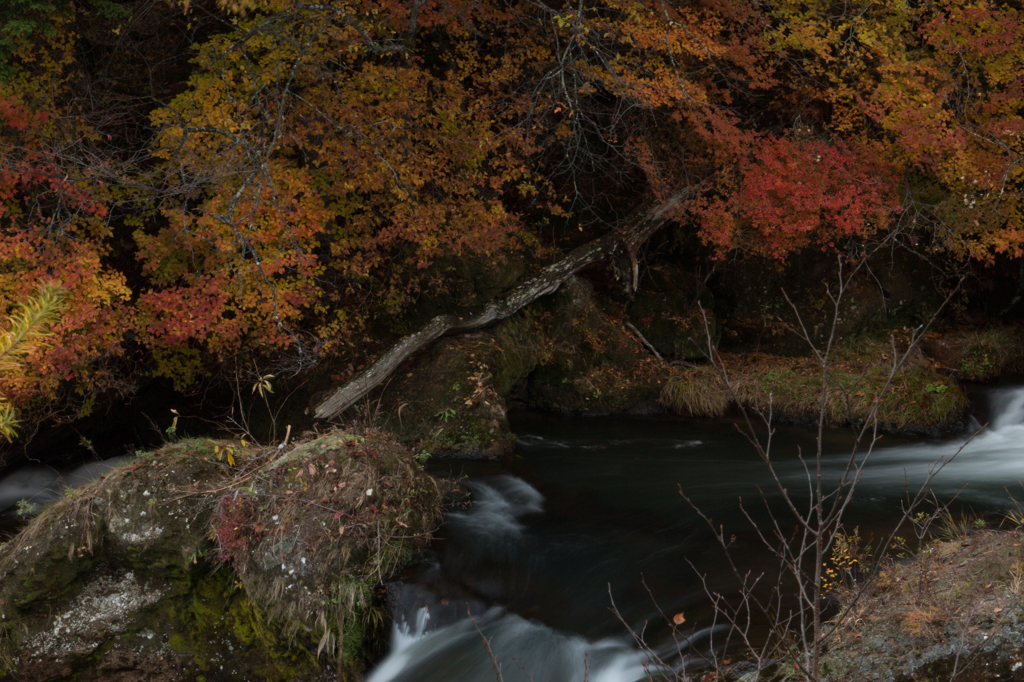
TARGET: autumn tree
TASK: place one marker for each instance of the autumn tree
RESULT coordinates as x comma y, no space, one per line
268,179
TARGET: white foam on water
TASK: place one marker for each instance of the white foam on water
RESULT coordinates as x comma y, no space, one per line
43,485
993,459
456,653
39,485
498,504
540,442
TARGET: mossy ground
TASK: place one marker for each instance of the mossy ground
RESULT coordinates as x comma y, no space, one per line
979,354
590,363
226,548
920,396
564,354
451,399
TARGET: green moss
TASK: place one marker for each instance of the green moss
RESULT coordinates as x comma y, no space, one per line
452,398
988,354
178,643
859,371
209,614
207,610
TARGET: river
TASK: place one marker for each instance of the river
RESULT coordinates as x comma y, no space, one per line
589,510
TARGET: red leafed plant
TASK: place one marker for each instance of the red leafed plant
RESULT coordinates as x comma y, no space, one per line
235,526
789,194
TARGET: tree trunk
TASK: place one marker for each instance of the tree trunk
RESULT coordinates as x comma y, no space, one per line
620,245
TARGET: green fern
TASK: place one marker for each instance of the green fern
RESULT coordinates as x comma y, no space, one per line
27,327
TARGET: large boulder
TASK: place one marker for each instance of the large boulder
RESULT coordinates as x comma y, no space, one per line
207,560
563,353
451,398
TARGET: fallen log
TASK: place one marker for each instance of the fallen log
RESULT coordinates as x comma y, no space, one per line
619,246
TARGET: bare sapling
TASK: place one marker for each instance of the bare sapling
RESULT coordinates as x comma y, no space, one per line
793,599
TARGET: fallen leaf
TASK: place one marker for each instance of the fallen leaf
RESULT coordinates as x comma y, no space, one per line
997,609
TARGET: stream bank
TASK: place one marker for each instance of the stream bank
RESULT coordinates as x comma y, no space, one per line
572,355
955,611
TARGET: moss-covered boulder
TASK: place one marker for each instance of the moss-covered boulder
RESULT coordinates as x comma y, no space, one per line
590,362
451,399
671,309
919,399
207,560
563,353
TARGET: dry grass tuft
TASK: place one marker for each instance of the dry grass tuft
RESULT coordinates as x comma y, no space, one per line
699,391
859,369
315,531
960,596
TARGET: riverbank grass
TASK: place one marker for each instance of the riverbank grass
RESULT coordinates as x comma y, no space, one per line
979,354
919,396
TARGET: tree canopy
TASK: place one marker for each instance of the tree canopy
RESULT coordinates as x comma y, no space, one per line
265,178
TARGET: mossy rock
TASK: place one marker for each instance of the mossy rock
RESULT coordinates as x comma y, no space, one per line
590,363
919,400
160,570
451,398
671,309
562,353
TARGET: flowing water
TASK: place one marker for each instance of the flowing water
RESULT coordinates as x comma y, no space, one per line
589,510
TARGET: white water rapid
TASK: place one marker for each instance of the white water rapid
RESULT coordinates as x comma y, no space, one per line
983,465
435,639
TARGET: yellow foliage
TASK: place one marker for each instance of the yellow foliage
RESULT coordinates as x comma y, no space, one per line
26,329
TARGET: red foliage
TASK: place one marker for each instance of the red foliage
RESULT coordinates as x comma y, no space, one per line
793,193
233,526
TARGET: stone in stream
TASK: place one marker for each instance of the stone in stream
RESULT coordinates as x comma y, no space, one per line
179,566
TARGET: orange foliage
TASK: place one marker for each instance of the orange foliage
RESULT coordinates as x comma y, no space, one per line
318,160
